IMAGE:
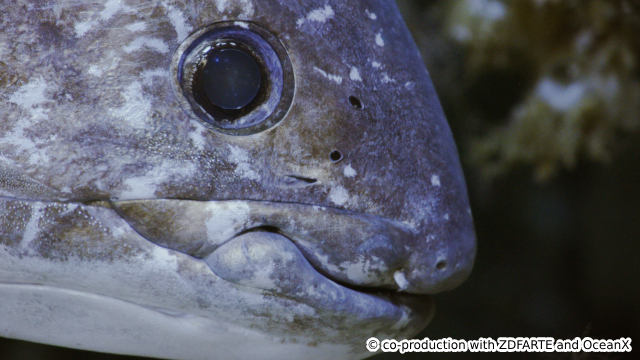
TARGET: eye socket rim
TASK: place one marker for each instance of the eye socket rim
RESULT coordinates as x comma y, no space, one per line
269,50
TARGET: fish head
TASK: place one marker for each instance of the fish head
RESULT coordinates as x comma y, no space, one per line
192,179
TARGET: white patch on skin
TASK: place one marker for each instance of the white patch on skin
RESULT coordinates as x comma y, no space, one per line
241,24
196,136
248,10
386,79
152,43
145,186
409,85
179,23
247,7
119,229
137,26
401,280
560,97
169,261
349,171
371,15
338,195
136,108
82,28
95,71
376,64
262,278
240,157
148,75
320,15
360,272
225,220
111,7
141,187
221,5
446,217
355,74
379,40
324,260
32,228
336,78
31,96
435,180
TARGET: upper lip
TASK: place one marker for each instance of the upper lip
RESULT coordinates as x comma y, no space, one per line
351,248
348,247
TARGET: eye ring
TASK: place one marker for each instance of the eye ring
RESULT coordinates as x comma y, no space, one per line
271,102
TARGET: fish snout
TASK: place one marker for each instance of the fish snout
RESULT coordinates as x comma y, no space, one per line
429,271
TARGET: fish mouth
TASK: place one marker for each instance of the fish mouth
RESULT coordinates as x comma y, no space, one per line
172,256
328,258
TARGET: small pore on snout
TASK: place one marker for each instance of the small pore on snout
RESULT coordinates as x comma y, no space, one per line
356,102
441,265
335,156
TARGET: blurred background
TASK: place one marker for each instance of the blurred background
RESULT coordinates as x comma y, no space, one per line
543,97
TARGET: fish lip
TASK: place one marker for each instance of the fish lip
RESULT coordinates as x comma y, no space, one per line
275,216
303,283
391,294
380,291
419,308
392,287
357,248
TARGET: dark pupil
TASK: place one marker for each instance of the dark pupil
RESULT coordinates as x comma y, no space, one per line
231,79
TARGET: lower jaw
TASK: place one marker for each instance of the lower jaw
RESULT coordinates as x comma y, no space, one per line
99,323
271,262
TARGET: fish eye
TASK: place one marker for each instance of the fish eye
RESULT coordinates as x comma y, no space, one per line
234,76
230,79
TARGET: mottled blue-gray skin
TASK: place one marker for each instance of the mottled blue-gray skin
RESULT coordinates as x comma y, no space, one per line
129,224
